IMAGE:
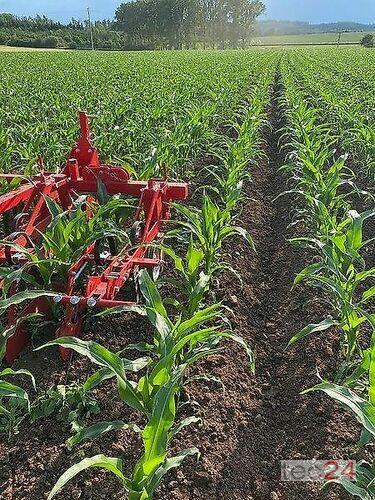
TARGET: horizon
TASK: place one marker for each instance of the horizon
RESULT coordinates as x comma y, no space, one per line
312,11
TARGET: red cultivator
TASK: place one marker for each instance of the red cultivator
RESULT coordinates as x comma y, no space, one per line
81,175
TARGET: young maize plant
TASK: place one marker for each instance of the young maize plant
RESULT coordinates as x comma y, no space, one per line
340,272
192,283
14,400
357,391
210,226
177,345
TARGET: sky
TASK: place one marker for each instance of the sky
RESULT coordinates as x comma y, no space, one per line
315,11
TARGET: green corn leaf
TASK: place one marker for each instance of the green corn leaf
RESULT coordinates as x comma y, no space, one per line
312,328
97,378
8,390
177,261
103,357
53,208
170,463
194,258
141,310
360,370
368,294
366,438
363,275
105,373
201,317
10,371
4,411
113,465
97,430
140,347
196,296
150,293
363,411
312,269
20,297
184,423
155,434
245,234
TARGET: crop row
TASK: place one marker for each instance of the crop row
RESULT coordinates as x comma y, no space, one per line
343,93
339,270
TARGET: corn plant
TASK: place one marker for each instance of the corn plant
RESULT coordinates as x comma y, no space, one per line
364,485
357,391
340,273
211,226
192,282
178,344
14,400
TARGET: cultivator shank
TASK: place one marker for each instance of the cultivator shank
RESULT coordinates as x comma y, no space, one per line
29,212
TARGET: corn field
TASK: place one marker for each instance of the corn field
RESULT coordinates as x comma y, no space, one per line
255,343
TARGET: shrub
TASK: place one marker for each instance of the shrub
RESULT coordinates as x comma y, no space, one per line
368,40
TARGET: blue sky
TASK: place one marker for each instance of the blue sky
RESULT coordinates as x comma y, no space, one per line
303,10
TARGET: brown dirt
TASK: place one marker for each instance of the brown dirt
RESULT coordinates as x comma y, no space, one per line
247,427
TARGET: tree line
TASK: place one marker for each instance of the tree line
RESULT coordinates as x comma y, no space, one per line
144,24
41,32
188,23
272,27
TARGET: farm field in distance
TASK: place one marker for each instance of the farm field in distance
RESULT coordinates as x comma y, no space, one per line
353,37
250,334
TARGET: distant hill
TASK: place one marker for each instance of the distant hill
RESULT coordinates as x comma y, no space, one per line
270,27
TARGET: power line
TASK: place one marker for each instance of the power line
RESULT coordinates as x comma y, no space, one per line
91,29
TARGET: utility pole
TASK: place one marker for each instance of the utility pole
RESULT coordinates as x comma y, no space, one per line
339,39
91,29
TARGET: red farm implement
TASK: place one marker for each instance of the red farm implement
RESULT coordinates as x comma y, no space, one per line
28,209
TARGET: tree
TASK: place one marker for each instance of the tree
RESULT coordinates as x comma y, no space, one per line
241,16
177,23
368,40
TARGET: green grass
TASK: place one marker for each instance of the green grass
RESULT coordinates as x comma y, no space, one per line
8,48
307,39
